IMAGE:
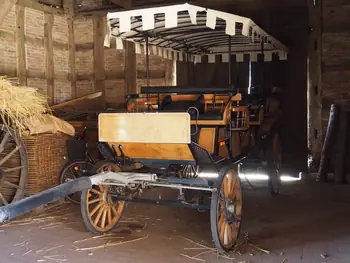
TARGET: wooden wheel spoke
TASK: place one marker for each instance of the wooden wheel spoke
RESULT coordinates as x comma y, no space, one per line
220,223
9,170
9,155
104,215
4,141
96,191
115,211
94,201
95,209
222,229
11,184
109,216
102,208
228,233
3,200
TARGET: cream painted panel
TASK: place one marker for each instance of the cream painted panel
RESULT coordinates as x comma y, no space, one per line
145,127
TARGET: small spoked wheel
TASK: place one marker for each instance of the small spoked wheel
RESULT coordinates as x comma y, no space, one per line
72,171
226,211
101,212
13,166
274,165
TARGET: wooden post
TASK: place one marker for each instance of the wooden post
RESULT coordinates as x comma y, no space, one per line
69,10
71,49
21,54
340,154
328,143
130,68
99,72
49,57
5,6
314,83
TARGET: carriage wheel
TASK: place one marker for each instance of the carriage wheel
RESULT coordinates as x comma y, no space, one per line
226,211
73,171
13,166
100,212
274,163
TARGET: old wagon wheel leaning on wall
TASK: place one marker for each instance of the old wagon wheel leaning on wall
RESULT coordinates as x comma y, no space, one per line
226,210
13,166
274,164
100,212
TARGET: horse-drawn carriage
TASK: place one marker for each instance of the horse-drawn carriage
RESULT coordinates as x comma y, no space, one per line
188,138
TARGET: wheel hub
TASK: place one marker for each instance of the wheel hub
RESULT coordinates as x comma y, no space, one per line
231,208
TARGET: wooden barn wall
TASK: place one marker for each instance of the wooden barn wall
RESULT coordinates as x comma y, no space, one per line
65,58
329,66
335,56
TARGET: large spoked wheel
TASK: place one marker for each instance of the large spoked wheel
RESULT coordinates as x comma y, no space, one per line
72,171
101,213
274,165
226,211
13,166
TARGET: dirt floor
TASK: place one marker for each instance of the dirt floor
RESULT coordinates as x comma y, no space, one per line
309,222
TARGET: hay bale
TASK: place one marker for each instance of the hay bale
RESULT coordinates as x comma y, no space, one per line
17,103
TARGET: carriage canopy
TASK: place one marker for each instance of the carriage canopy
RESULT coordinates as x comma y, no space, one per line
187,32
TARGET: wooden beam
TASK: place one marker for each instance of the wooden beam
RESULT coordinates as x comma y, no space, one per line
130,67
51,2
5,7
123,3
74,101
69,7
49,57
99,72
36,5
21,54
72,50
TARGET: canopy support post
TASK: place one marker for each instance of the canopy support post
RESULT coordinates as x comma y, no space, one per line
262,68
188,67
147,62
229,61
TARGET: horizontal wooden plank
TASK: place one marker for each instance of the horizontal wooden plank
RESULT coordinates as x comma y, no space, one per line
58,3
83,47
108,76
154,74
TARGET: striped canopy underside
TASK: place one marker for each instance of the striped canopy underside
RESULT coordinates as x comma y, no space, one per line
186,30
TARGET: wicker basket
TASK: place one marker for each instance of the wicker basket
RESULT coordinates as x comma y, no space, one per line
46,154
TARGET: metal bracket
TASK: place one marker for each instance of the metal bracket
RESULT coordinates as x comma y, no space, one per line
122,178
